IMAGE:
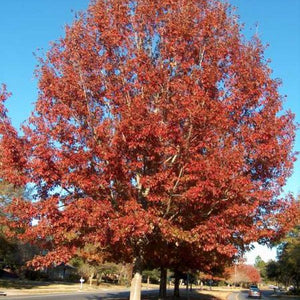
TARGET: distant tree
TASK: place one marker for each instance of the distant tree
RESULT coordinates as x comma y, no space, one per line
289,259
273,271
84,268
252,273
261,266
156,122
152,275
7,251
259,262
242,274
286,269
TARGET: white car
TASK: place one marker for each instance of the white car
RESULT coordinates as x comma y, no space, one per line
254,291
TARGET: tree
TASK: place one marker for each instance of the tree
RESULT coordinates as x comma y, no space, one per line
13,253
273,271
156,123
152,275
286,269
289,259
261,266
289,253
92,270
252,273
243,274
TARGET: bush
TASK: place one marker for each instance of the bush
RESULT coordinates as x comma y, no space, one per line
35,275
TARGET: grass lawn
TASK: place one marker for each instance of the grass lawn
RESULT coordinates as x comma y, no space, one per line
16,286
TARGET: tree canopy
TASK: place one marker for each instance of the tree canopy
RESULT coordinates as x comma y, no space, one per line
156,123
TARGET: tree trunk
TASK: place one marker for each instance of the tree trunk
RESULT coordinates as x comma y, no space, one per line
91,278
100,277
136,282
188,285
176,284
163,283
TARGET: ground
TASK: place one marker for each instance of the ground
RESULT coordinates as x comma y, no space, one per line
22,287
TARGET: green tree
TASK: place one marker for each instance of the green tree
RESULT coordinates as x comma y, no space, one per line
152,275
273,271
286,270
289,259
260,264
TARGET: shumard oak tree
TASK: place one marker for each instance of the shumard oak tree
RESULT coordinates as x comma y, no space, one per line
155,121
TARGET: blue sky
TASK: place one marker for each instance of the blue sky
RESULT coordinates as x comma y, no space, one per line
278,24
26,26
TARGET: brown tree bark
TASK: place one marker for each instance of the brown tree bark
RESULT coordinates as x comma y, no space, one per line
163,283
136,282
176,284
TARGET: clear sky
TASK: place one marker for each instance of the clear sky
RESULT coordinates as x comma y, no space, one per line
29,25
278,24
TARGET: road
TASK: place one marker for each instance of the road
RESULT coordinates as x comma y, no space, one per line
243,295
266,294
80,295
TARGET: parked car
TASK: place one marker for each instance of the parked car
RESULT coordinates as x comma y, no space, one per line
273,287
254,291
291,288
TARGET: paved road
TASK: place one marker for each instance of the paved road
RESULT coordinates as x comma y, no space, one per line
79,295
266,294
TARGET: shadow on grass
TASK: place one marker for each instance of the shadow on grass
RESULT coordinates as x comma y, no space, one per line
28,284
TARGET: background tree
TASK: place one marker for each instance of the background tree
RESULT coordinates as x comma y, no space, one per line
107,272
243,274
273,271
261,266
289,254
13,253
152,276
289,259
155,121
285,270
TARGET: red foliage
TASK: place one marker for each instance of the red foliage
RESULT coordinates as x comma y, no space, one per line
155,125
243,274
13,162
